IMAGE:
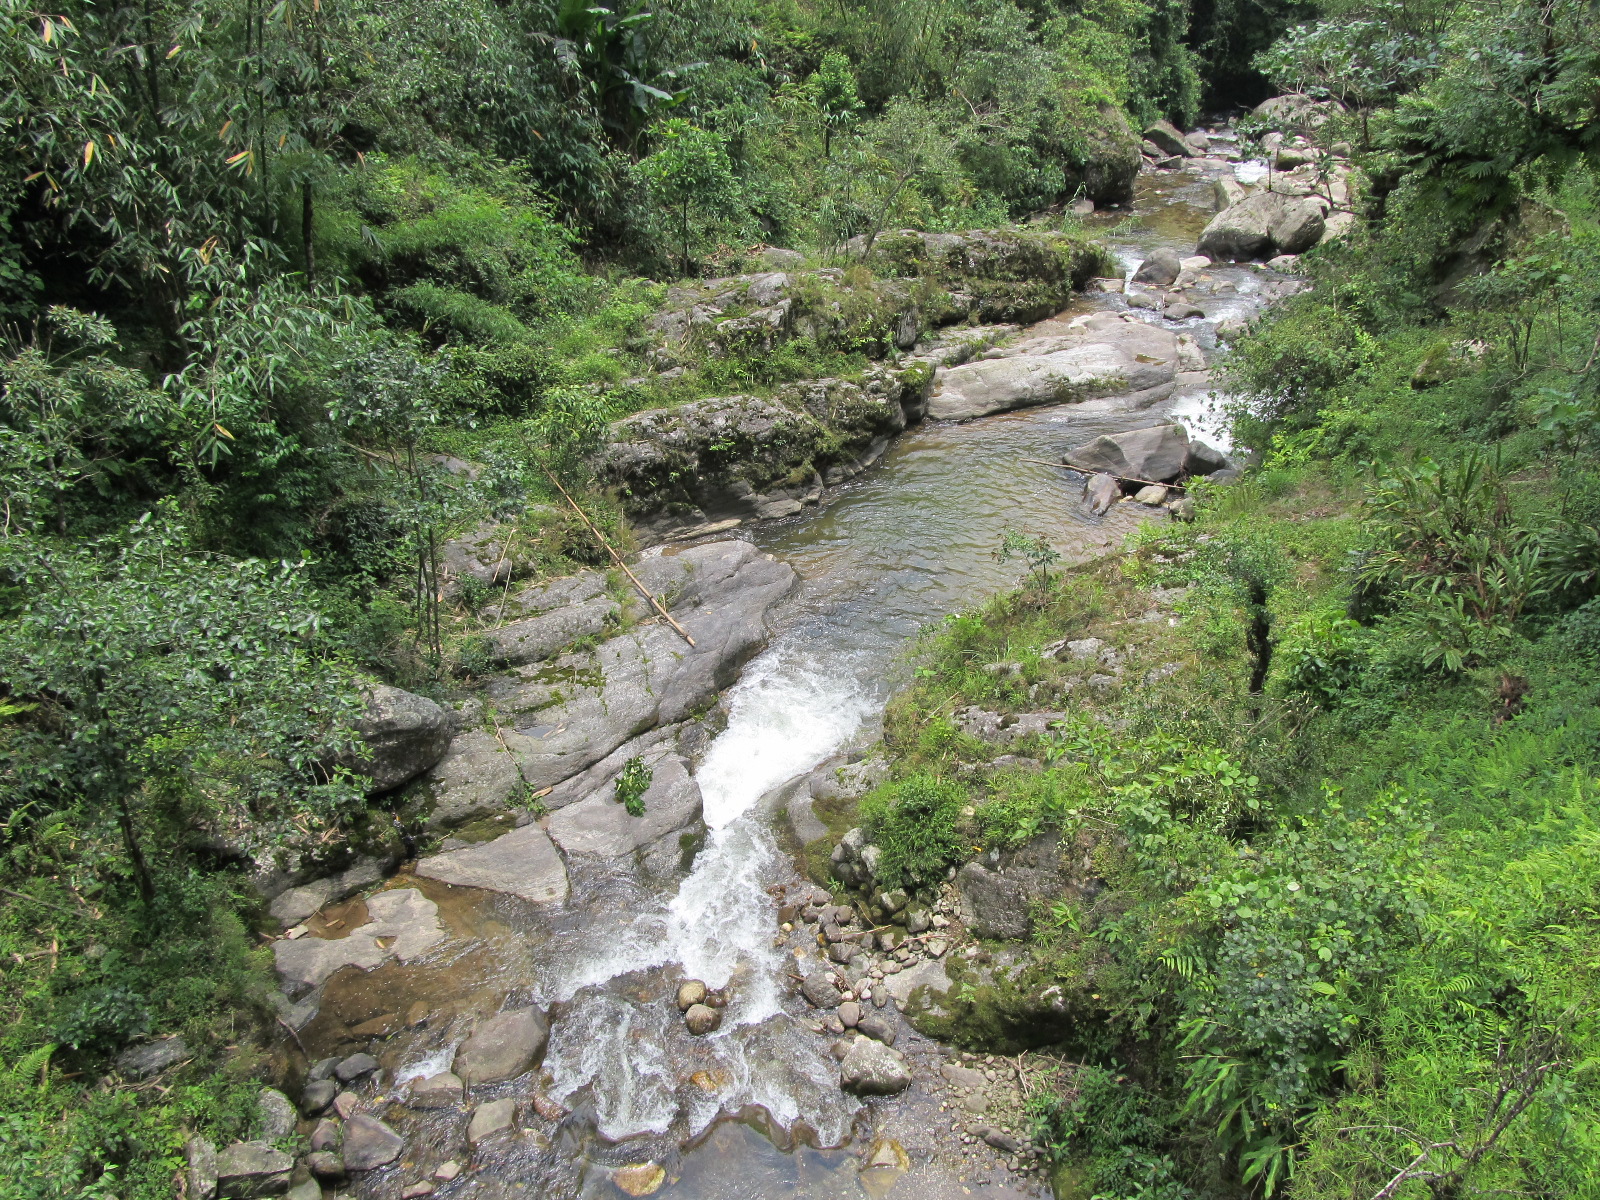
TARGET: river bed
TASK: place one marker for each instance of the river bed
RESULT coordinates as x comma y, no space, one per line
755,1110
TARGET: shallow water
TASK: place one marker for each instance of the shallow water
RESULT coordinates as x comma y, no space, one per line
905,544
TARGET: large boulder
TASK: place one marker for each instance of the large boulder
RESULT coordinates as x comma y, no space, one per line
1095,355
871,1068
1298,224
1294,112
650,676
1155,455
520,863
535,639
502,1047
1110,161
477,777
1162,268
1168,138
1241,231
405,735
1000,895
246,1170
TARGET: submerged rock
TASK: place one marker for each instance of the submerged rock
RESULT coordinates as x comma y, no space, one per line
404,924
701,1019
1156,454
502,1047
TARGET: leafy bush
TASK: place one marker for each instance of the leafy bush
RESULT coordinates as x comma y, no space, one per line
916,823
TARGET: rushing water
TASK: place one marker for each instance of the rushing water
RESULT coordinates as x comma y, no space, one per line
904,545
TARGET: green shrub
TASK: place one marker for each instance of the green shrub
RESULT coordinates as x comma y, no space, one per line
916,823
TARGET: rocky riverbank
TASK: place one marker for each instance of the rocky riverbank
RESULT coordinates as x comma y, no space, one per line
570,787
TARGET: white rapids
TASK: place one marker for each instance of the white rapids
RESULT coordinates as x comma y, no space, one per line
786,715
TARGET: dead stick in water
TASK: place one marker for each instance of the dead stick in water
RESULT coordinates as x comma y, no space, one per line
601,538
1043,462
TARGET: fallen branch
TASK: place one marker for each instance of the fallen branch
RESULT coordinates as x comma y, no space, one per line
36,900
601,538
1095,471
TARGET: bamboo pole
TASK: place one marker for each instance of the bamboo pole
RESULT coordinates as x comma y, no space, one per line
617,558
1095,471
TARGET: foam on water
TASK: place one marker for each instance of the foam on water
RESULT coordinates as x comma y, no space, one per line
786,715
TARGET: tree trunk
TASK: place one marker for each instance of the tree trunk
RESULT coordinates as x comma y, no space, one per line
306,223
130,842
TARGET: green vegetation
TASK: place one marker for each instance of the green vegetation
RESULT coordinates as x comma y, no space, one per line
632,784
1339,821
297,295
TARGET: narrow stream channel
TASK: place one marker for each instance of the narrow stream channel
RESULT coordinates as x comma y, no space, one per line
903,545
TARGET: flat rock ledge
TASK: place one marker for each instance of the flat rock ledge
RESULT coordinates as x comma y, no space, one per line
1095,355
520,863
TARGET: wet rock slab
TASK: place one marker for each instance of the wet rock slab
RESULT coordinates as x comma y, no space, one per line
404,924
520,863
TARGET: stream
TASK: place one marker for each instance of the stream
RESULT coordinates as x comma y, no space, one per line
755,1110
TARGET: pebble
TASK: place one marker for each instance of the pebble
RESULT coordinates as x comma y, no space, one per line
690,993
423,1187
447,1171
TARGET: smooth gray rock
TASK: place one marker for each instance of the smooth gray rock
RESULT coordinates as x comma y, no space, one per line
1156,454
649,676
491,1118
1202,459
356,1066
520,863
1095,355
322,1069
309,1190
249,1169
151,1058
405,734
369,1143
602,827
1161,268
502,1047
1228,191
317,1095
404,919
1298,224
298,903
819,991
275,1115
872,1069
477,777
876,1026
1241,231
1101,491
535,639
1168,138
